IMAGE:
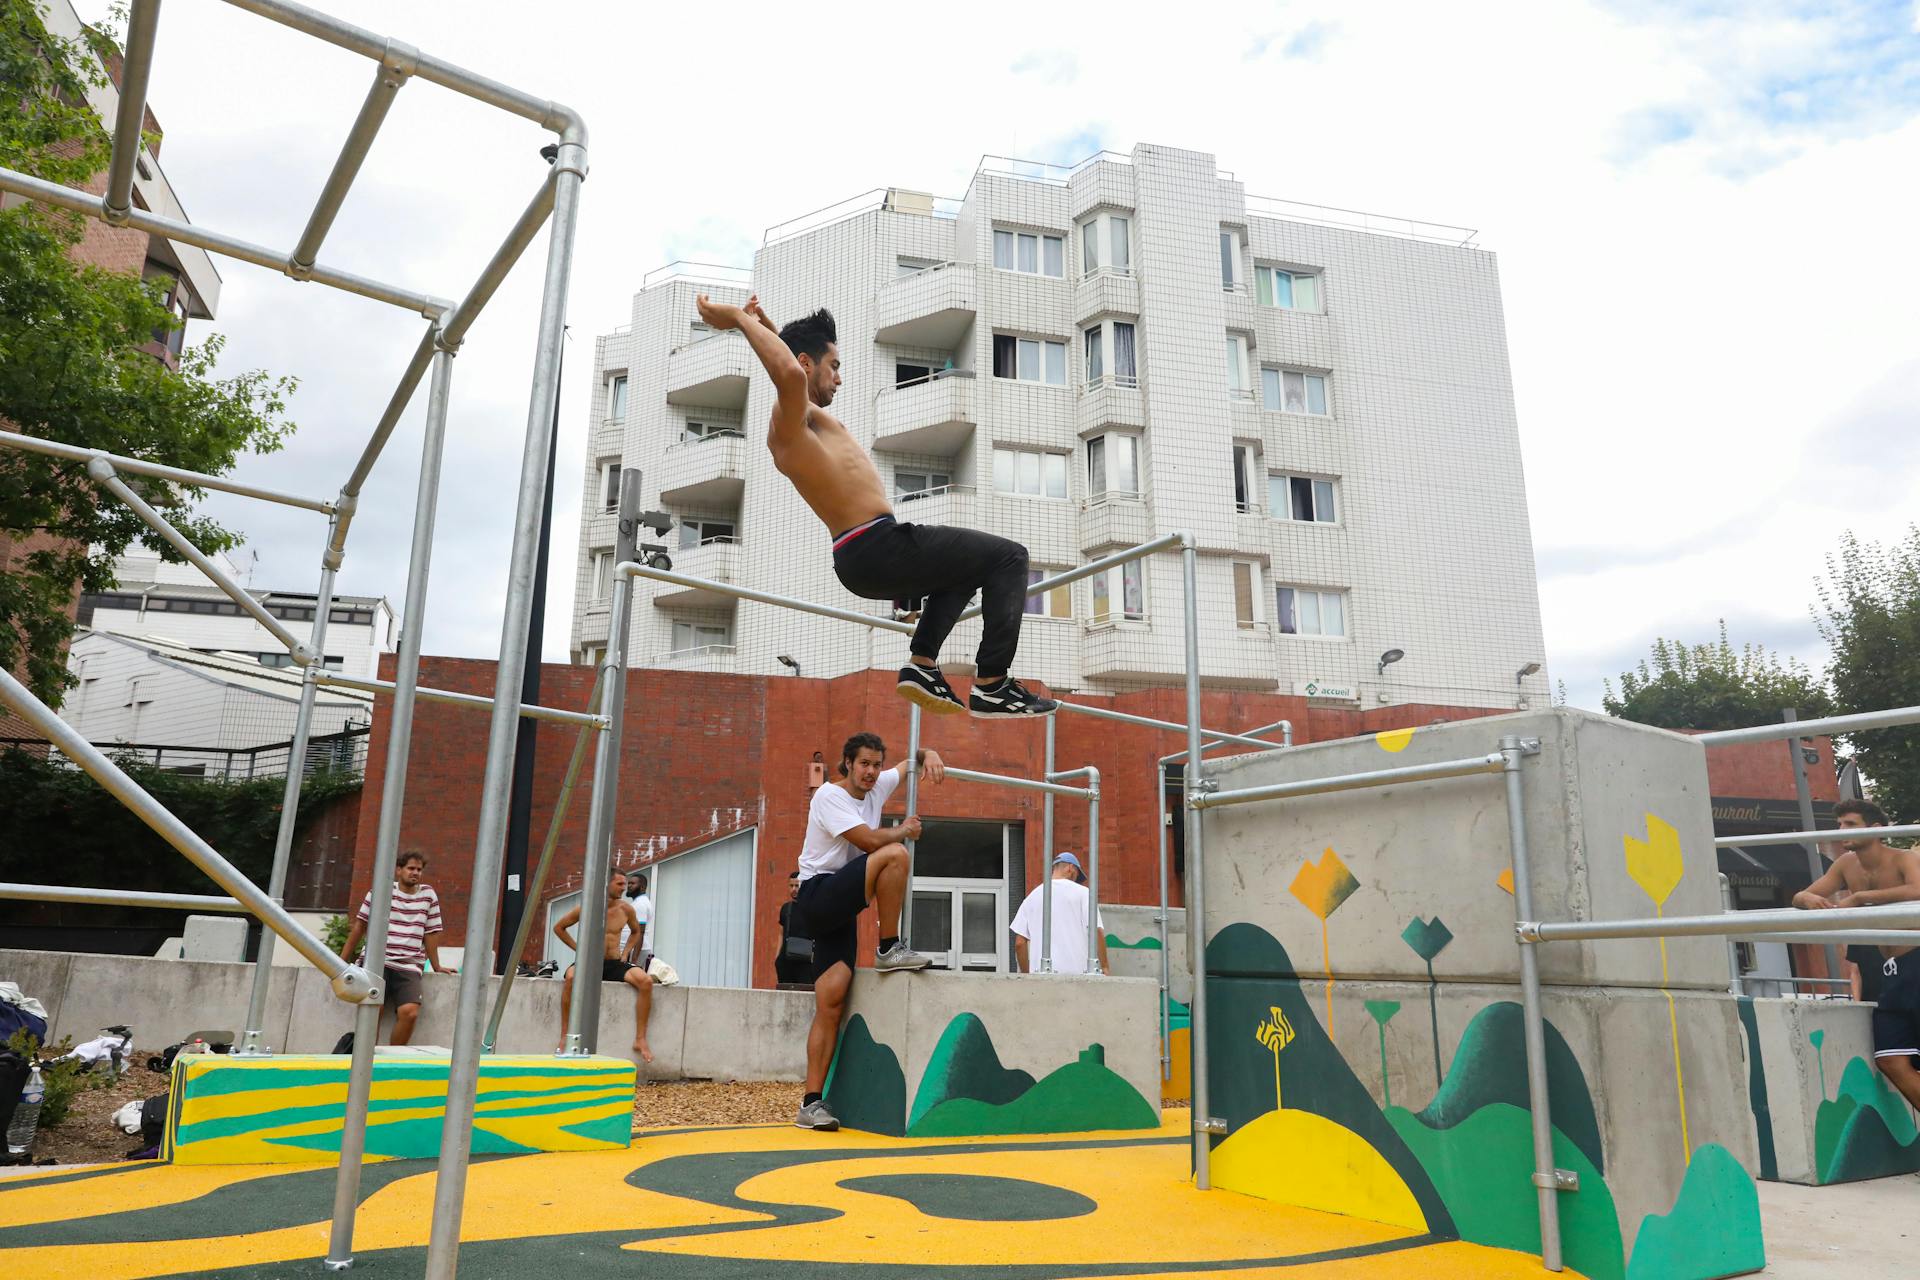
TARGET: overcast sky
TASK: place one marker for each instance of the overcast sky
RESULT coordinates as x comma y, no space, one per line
1703,213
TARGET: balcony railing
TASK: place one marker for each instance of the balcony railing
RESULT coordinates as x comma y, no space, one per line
710,372
932,307
931,415
703,471
698,656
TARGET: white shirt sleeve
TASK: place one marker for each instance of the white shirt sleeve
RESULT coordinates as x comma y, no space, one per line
1023,918
888,784
836,811
643,908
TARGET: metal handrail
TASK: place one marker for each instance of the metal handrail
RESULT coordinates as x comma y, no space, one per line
1846,922
121,898
1826,835
1891,718
1493,762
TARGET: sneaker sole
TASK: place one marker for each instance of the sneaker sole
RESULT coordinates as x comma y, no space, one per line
925,963
817,1128
927,700
1010,715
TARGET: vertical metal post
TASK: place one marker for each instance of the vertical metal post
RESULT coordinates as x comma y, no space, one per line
393,795
905,924
1195,882
1046,859
1546,1185
1734,984
1166,962
463,1075
1093,870
135,67
1816,866
290,797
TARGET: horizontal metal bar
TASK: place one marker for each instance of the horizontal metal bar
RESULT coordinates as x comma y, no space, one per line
1125,717
33,188
1164,543
1354,781
120,898
532,711
1180,757
387,81
1889,719
1865,937
136,64
1827,835
1898,915
639,570
178,475
532,218
1021,784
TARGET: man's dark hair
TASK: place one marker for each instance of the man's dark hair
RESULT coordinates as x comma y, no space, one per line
411,855
1865,810
631,875
810,336
871,741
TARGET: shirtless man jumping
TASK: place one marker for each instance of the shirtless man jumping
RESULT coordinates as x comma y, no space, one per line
612,968
875,556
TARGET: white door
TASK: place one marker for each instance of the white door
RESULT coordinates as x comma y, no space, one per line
703,912
960,923
558,951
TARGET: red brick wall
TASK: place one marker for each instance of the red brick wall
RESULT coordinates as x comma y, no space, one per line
704,755
1764,770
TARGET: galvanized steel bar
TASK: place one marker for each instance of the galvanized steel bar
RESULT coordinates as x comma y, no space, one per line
1022,784
387,81
1092,775
525,228
1897,915
1353,781
533,711
671,578
1889,719
178,475
1826,835
1215,735
1166,961
905,923
1845,937
122,898
1046,860
350,982
136,65
1196,890
1803,794
1087,570
1533,1018
464,1072
397,403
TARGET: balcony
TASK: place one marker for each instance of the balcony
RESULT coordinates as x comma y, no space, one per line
934,416
1106,292
706,657
930,308
711,372
1118,520
949,504
1112,401
717,560
705,471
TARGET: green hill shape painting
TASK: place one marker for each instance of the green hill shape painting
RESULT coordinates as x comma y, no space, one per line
1865,1132
967,1092
1713,1228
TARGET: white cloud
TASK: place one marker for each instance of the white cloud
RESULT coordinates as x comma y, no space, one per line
1703,219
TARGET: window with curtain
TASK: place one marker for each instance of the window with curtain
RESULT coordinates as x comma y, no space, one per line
1029,359
1305,498
1033,253
1113,466
1124,370
1030,473
1054,603
1120,252
1246,594
1305,611
1293,391
1120,594
1105,244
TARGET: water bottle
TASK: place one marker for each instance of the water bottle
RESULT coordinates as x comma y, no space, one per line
26,1117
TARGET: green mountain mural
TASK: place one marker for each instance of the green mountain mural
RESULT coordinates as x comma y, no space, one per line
1713,1230
1490,1066
1249,977
1865,1132
865,1086
965,1065
1149,943
1080,1097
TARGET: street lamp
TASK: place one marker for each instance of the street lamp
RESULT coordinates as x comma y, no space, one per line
1388,658
1530,669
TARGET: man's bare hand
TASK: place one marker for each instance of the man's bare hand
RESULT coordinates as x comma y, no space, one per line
719,315
758,312
1809,901
910,828
932,767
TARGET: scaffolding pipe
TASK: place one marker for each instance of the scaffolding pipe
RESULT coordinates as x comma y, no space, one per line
289,806
1022,784
1845,937
1118,558
1092,775
386,849
387,81
1545,1182
1895,915
635,569
1888,719
1046,862
463,1074
524,229
136,65
1217,735
539,881
1196,892
350,982
178,475
1435,772
122,898
531,710
1827,835
905,923
397,403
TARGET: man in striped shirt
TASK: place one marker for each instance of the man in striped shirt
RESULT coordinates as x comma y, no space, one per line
413,935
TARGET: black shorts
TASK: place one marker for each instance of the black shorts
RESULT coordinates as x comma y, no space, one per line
828,912
403,986
1896,1019
615,970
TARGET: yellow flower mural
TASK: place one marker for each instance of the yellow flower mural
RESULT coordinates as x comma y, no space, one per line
1656,866
1276,1033
1321,887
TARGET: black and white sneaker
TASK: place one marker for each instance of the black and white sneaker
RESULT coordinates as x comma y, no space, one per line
1008,700
927,689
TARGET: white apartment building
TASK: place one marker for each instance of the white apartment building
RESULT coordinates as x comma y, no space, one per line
1082,359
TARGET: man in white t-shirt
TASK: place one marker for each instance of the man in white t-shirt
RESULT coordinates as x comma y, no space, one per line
848,861
1070,903
633,941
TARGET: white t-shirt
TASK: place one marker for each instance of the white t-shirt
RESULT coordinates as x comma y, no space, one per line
833,812
1069,928
642,908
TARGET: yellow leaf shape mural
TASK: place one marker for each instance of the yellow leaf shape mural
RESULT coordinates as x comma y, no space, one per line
1505,879
1655,863
1322,886
1393,739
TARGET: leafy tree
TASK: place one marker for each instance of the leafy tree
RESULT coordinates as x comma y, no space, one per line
71,368
1871,603
1714,686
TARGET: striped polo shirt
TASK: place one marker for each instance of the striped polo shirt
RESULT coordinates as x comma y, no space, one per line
415,915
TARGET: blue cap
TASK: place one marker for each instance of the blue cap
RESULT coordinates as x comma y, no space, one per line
1071,860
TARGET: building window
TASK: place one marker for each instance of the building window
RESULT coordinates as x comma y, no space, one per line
911,485
617,396
1125,371
1120,594
1030,252
1246,594
1303,611
591,655
1096,354
610,484
913,266
1294,391
1246,466
1120,334
600,574
1292,290
1105,245
1233,272
1237,367
911,373
1029,359
1305,498
1030,473
689,636
699,533
709,431
1056,602
1113,467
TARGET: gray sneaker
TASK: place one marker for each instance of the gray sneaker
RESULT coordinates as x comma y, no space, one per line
817,1115
900,958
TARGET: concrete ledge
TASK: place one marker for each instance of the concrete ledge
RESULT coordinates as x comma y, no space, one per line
1831,1117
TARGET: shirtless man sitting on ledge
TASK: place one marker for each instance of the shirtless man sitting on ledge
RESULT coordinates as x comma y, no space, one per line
613,968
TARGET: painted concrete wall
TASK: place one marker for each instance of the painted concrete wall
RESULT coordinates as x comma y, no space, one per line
1133,946
1829,1114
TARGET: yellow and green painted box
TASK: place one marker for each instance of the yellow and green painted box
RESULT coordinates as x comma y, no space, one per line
288,1110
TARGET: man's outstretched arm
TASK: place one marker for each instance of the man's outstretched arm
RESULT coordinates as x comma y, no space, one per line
789,379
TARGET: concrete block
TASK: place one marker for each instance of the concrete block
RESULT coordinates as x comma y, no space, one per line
1430,857
1830,1115
973,1053
736,1034
214,938
164,1001
42,975
1133,945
